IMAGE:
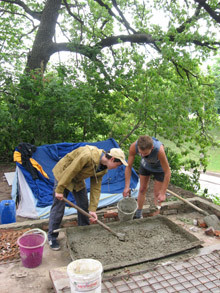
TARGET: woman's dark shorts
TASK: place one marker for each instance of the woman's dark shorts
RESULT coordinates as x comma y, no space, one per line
159,176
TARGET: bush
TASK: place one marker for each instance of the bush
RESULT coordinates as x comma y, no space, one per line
178,177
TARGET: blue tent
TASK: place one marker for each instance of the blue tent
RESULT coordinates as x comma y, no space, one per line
48,155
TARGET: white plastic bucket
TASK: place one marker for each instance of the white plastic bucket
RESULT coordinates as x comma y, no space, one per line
85,275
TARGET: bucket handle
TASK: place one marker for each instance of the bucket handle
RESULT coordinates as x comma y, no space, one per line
37,231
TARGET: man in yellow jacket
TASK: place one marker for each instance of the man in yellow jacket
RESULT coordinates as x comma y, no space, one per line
70,174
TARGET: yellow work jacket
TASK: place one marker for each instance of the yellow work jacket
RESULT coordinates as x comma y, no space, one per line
72,170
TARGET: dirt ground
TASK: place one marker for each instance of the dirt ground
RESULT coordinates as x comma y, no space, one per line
5,189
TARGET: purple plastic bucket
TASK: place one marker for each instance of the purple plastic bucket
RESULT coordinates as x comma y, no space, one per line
31,247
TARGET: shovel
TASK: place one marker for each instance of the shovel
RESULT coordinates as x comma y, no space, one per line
210,220
120,236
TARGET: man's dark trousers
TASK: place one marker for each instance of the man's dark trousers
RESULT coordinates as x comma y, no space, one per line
58,207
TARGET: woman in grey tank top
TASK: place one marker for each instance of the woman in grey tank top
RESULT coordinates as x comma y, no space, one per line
153,163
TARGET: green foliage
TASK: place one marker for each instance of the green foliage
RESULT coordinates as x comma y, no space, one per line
185,220
109,86
185,181
178,177
214,198
52,110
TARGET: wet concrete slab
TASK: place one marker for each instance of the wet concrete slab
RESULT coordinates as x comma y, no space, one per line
145,240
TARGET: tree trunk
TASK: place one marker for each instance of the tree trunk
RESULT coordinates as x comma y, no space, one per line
42,46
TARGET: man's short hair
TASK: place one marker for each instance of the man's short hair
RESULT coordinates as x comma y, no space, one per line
145,142
109,157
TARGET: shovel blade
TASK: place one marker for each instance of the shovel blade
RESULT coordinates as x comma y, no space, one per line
121,236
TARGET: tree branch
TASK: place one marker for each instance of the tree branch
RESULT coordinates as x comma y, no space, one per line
122,20
130,133
126,23
73,15
208,9
206,44
135,38
190,20
19,14
34,14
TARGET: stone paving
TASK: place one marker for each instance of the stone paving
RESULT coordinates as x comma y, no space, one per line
195,274
198,274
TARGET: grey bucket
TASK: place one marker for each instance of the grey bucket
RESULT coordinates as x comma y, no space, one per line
126,208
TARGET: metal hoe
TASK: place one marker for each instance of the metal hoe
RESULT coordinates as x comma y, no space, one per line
210,220
120,236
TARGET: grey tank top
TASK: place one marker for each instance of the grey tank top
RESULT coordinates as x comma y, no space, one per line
152,162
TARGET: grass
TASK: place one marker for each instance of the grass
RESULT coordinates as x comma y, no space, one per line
213,153
214,160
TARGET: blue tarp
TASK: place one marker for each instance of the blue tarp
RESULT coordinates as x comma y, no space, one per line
48,155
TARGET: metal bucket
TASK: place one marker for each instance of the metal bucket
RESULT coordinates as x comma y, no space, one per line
126,208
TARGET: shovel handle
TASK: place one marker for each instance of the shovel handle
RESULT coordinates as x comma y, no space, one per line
88,215
189,203
77,208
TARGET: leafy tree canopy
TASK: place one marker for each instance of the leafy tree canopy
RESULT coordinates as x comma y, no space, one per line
133,68
109,32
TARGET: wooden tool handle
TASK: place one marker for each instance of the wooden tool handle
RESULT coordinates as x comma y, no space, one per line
189,203
88,215
77,208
